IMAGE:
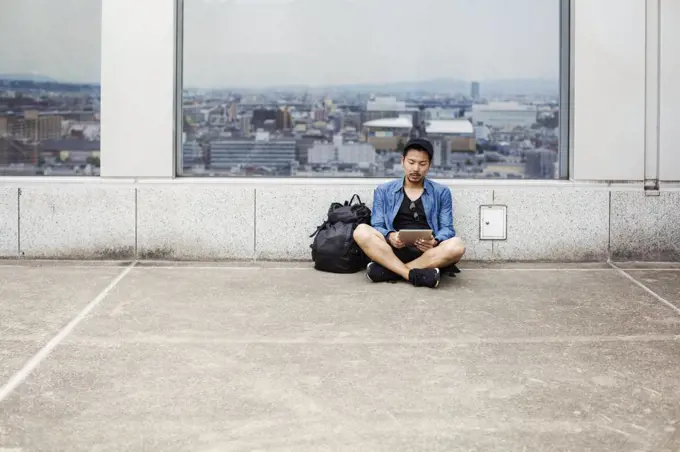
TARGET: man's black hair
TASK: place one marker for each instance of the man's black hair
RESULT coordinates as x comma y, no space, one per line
421,144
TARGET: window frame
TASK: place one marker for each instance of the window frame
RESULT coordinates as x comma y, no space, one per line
565,147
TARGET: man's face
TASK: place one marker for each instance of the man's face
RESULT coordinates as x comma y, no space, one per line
416,164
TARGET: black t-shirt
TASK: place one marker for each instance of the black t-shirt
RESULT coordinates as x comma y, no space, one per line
411,215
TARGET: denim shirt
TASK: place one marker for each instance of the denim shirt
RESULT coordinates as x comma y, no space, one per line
437,202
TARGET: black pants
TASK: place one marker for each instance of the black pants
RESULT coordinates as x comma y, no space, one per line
407,253
411,253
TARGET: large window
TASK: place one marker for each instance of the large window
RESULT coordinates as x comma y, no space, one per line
49,87
314,88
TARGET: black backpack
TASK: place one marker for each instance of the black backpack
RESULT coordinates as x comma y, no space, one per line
334,249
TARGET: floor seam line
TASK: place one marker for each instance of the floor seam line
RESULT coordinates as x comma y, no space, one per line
645,288
19,377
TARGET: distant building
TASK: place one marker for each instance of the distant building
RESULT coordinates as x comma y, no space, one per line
320,115
386,103
474,91
231,112
284,121
259,152
31,125
261,116
540,164
304,144
245,124
17,152
348,153
441,113
386,107
192,154
194,114
82,130
356,153
74,150
447,136
322,153
482,133
388,134
351,120
504,115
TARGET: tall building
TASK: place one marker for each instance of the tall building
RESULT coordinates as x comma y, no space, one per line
231,113
474,91
284,121
246,125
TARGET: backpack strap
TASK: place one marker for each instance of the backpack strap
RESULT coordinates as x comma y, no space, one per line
352,200
318,228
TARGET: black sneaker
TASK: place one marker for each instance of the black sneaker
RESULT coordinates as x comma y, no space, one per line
377,273
424,277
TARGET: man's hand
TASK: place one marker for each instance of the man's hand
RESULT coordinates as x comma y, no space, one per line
393,238
424,245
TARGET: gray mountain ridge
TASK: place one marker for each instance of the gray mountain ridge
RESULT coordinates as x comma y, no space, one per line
27,78
528,86
451,86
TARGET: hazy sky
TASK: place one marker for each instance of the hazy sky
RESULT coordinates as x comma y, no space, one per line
55,38
256,42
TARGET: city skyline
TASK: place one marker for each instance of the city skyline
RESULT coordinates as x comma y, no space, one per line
300,42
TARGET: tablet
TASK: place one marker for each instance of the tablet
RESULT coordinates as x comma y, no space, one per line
409,236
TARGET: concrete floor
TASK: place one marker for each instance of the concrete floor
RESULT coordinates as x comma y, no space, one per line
279,357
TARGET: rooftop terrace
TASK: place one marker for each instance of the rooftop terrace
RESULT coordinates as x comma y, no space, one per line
158,356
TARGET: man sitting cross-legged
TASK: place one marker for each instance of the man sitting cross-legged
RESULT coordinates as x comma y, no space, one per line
413,202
